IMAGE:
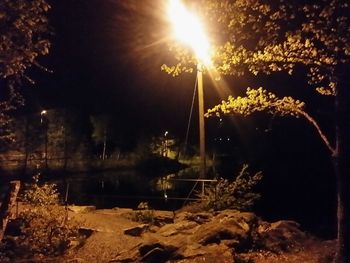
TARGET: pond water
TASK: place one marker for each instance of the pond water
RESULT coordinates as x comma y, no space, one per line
168,192
129,188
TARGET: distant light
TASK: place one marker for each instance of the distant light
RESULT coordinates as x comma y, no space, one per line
166,133
42,114
228,139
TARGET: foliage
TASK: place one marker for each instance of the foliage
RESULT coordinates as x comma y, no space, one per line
23,30
41,195
259,100
232,194
45,227
143,214
268,36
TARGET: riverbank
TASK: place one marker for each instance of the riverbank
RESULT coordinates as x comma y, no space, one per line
183,236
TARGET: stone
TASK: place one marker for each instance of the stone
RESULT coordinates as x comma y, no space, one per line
228,225
184,227
280,236
157,252
199,218
137,230
161,220
212,253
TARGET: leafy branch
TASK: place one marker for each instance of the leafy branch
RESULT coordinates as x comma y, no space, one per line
260,100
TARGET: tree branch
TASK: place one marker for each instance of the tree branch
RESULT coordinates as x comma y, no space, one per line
319,130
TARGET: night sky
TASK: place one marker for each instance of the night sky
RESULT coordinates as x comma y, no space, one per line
106,58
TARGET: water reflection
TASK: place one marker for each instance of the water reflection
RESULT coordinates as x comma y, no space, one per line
127,189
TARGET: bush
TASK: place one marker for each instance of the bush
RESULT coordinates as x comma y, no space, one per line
41,195
44,225
235,194
144,214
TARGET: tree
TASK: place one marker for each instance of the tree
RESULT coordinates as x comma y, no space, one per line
262,37
23,30
101,130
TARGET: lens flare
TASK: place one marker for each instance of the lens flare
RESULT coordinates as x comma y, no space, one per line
188,29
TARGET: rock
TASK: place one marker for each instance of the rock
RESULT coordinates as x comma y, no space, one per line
212,253
81,209
215,233
181,216
280,236
157,252
228,225
161,220
126,256
199,218
192,251
137,230
184,227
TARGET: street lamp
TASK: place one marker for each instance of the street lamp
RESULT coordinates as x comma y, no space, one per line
44,122
166,144
188,29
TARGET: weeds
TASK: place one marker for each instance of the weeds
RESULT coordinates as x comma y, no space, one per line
232,194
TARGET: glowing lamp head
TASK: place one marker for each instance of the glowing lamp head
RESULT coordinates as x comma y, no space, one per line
188,29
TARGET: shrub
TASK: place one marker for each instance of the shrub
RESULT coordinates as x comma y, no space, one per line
44,225
232,194
144,214
41,195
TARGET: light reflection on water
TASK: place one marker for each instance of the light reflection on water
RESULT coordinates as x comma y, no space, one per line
127,189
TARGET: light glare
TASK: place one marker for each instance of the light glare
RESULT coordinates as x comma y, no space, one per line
188,29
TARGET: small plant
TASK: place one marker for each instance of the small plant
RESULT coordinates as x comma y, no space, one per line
143,214
41,195
44,224
236,194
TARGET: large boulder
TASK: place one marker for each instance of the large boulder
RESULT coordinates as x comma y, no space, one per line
231,226
280,236
213,237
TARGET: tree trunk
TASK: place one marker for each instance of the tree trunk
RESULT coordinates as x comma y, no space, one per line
342,168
